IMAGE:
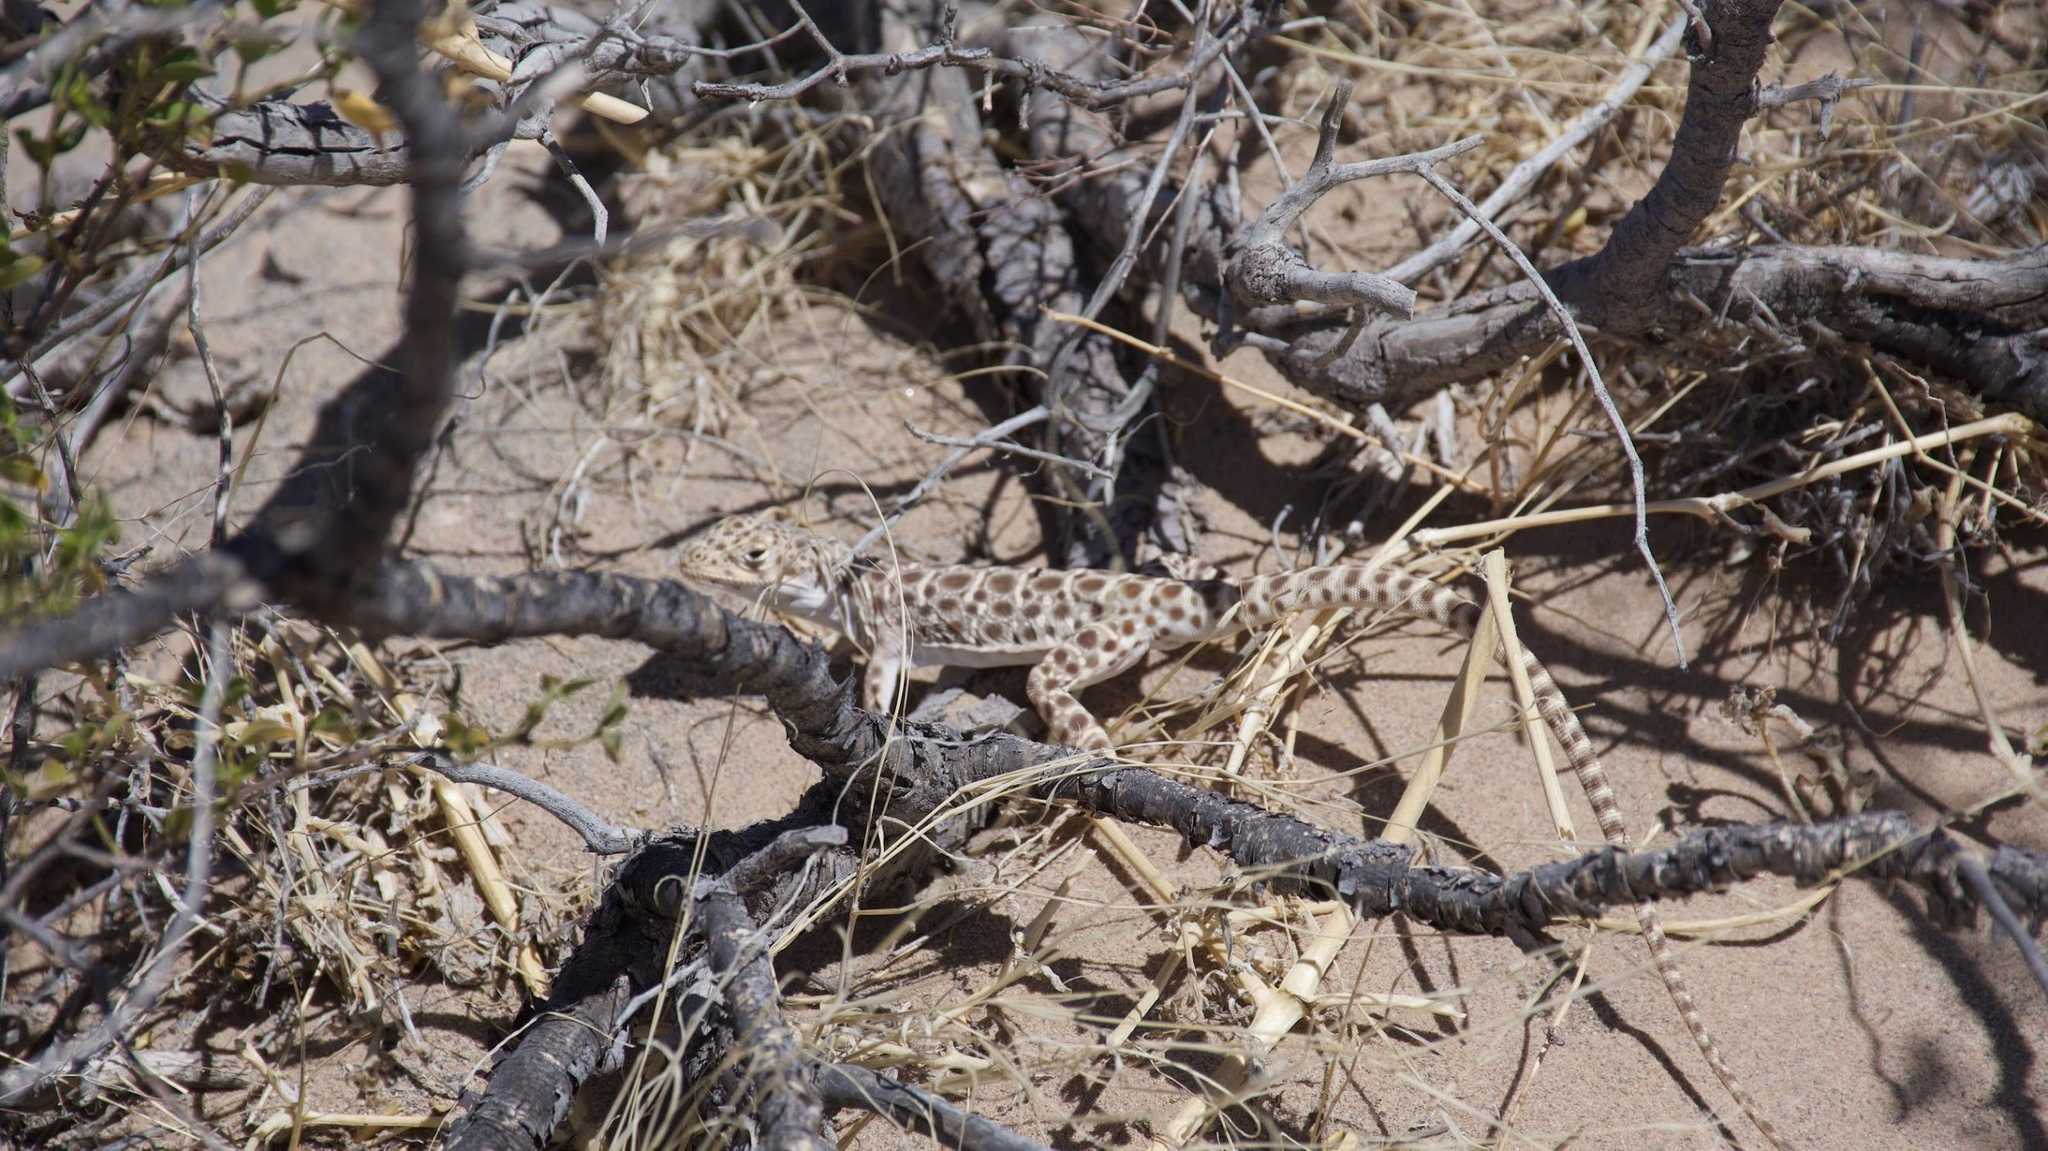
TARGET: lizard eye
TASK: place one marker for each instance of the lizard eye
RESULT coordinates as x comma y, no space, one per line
755,557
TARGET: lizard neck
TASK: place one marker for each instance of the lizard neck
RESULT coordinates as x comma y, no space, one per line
826,595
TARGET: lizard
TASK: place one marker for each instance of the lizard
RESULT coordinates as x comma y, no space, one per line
1078,627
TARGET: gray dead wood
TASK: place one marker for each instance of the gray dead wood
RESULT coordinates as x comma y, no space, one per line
578,1032
280,142
927,764
285,143
568,1039
1003,254
600,835
736,879
778,1082
849,1087
914,769
1983,322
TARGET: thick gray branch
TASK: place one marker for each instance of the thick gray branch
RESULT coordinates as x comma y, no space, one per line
279,142
1619,287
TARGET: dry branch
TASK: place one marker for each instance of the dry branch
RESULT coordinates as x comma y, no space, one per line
849,1087
1003,253
1621,285
731,653
1983,322
280,142
317,539
567,1040
1284,854
780,1082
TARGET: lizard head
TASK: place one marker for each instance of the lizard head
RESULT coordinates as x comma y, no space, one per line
767,558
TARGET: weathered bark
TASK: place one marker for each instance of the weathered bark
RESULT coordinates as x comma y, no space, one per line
279,142
1002,252
1983,323
575,1034
922,765
1618,288
846,1086
569,1038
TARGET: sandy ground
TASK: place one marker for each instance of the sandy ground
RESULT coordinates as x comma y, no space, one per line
1858,1026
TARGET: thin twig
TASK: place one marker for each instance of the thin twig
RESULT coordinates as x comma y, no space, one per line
1007,447
932,479
1973,873
66,1055
225,437
1090,94
1571,328
1525,174
600,835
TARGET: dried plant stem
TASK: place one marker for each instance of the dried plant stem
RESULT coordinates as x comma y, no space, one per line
464,825
1495,566
1721,925
2001,747
1717,507
1275,1016
66,1054
1302,639
1450,727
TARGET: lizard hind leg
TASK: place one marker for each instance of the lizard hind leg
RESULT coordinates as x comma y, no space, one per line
1093,654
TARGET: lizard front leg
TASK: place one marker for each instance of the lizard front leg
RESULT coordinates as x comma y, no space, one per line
882,679
1095,653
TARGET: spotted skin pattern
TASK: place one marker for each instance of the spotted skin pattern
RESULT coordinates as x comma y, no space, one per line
1079,627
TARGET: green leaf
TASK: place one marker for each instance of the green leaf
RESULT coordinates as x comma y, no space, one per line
269,8
610,740
16,269
17,436
464,741
79,546
78,96
44,150
21,469
333,723
13,529
181,66
181,116
265,731
254,46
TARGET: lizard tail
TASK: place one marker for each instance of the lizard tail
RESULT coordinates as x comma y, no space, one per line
1578,749
1267,599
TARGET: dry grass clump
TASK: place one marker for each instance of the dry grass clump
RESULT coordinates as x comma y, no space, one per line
350,884
732,212
1942,153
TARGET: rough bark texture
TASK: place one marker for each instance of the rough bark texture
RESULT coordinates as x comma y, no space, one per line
1002,252
1620,286
279,142
567,1039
